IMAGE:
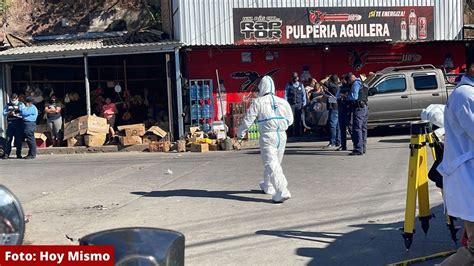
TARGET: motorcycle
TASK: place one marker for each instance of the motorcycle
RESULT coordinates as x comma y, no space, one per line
132,246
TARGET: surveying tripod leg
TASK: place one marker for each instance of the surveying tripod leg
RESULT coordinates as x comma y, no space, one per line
412,185
429,140
423,190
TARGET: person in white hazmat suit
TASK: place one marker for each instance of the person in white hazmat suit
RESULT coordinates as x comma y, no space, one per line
273,115
457,166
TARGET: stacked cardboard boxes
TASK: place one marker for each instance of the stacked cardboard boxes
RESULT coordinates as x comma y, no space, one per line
91,129
131,134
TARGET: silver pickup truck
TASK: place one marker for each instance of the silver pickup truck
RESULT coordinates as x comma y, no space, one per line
397,95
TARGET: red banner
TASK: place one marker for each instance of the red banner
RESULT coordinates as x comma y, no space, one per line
56,255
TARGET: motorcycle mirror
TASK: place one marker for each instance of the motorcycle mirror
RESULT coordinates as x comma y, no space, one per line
141,245
12,219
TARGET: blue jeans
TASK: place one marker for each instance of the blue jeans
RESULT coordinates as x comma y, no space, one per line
30,128
359,128
334,129
14,130
345,122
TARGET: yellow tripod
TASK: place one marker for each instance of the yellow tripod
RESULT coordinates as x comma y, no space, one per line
417,185
417,181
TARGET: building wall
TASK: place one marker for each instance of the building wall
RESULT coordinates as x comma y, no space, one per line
201,63
210,22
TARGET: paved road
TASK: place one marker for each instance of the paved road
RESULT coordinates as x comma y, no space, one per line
344,211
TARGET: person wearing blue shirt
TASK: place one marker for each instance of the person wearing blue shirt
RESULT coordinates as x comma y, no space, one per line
295,95
332,91
360,114
29,114
345,115
15,126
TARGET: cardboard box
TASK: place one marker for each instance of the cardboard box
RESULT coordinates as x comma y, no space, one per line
41,140
201,147
193,130
155,130
96,140
71,129
76,141
91,124
218,126
133,130
221,135
161,146
130,140
181,145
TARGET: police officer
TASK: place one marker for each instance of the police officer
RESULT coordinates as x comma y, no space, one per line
29,114
295,94
15,126
358,98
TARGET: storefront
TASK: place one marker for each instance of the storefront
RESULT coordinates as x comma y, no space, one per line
247,42
140,78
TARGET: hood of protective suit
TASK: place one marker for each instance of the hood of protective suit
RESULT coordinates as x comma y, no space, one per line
266,86
466,80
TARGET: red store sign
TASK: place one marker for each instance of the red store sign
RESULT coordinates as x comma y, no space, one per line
332,24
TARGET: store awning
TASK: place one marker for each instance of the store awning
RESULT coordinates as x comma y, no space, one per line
77,48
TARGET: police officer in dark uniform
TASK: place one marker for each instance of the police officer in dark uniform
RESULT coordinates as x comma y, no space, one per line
12,111
295,94
345,112
358,98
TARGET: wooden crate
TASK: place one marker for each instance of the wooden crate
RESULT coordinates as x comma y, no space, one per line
161,146
181,145
199,147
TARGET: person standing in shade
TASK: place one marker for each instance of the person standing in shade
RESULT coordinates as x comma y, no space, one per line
54,120
335,132
358,100
109,112
344,112
12,111
295,94
29,114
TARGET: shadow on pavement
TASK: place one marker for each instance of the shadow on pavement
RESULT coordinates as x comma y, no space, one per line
404,140
370,244
389,131
200,193
292,151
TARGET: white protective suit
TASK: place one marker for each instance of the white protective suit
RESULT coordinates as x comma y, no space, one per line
273,115
457,166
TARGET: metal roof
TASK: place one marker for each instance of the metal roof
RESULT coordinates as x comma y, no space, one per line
70,49
210,22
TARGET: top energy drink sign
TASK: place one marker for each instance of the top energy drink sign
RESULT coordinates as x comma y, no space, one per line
332,24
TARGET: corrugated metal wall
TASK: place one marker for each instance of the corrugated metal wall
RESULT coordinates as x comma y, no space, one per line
210,22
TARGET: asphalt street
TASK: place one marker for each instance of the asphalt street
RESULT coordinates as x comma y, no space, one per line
345,210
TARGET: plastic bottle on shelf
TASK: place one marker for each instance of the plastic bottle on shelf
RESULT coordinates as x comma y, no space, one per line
206,91
193,91
206,111
195,111
206,127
